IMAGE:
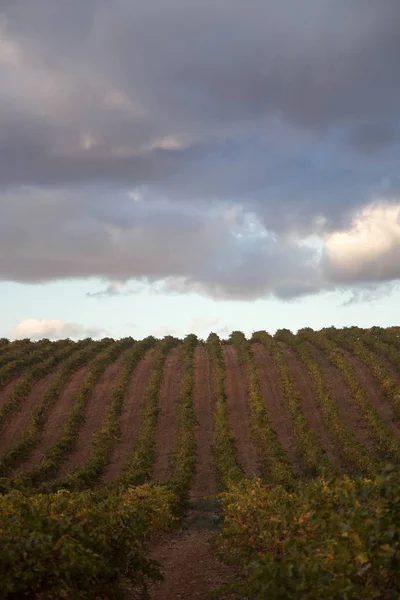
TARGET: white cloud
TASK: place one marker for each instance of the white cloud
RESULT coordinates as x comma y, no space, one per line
370,249
52,329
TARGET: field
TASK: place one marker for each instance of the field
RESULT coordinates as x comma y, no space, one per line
110,451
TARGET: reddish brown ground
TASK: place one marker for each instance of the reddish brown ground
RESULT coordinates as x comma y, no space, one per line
339,392
309,404
56,418
95,411
129,417
190,568
205,482
167,426
367,381
275,404
239,417
20,419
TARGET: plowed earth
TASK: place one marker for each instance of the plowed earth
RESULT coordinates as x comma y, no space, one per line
205,482
189,567
341,395
239,413
367,381
95,411
130,417
275,404
56,418
20,419
310,406
188,563
167,426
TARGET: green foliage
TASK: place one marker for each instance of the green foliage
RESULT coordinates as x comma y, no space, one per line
79,545
224,446
379,341
353,452
21,357
184,453
353,339
309,448
386,446
43,365
30,436
274,463
18,358
105,437
64,444
328,539
12,350
140,460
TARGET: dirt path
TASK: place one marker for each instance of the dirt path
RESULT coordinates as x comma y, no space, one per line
239,417
95,410
129,417
189,566
56,419
310,407
20,419
167,426
275,404
367,381
205,482
341,395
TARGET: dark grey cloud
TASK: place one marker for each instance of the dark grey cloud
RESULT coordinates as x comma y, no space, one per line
369,293
219,251
219,114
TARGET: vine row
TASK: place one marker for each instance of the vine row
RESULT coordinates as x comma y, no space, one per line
64,444
275,466
353,452
308,445
224,445
31,435
385,444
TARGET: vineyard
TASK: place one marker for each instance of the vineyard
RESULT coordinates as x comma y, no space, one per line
244,468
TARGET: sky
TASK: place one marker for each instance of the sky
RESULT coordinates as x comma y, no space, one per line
171,166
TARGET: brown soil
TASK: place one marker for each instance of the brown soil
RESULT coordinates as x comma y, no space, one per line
275,404
368,382
167,426
239,417
341,395
95,410
190,568
20,419
205,482
310,407
56,418
129,417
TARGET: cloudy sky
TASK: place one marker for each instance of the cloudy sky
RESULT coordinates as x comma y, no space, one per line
169,166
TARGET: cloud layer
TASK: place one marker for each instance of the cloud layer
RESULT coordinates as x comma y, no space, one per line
226,148
53,329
